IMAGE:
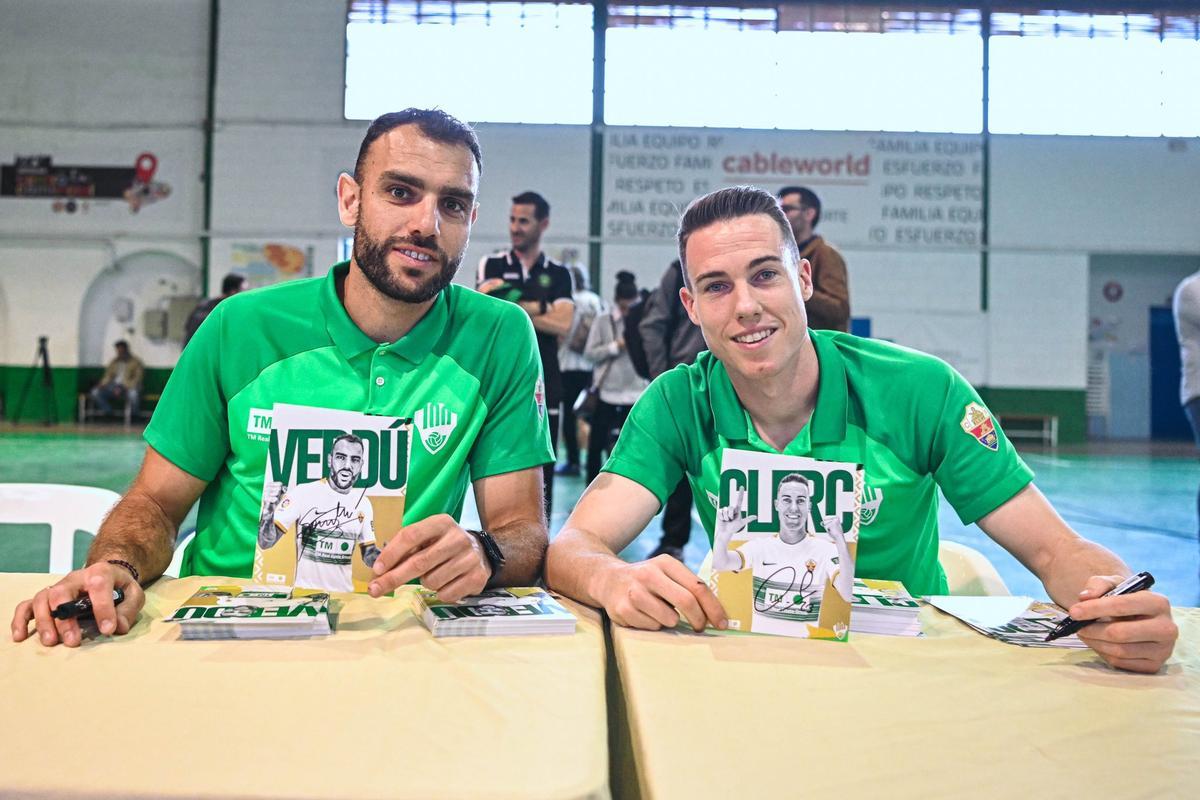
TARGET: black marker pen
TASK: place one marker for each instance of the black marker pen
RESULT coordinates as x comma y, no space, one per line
1134,583
81,607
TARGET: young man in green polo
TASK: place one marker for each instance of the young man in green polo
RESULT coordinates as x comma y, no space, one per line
771,385
385,333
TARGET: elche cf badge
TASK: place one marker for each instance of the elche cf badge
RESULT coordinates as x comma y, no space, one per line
977,421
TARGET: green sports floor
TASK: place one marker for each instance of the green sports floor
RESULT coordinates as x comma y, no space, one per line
1135,498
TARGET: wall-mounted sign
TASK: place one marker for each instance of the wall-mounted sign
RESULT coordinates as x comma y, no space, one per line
879,189
74,187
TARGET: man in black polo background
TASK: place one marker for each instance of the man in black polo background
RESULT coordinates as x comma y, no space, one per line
525,275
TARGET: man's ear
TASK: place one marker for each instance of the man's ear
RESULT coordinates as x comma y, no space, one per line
689,303
474,213
348,192
544,224
804,273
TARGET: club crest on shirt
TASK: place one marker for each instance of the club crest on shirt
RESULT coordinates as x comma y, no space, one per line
539,397
977,421
435,424
871,501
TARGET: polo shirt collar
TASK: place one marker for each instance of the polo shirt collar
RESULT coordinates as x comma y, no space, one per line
351,341
514,260
828,423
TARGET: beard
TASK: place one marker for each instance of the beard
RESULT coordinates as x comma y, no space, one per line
371,256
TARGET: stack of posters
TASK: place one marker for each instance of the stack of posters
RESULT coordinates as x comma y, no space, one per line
884,607
252,612
333,494
1014,620
784,543
496,612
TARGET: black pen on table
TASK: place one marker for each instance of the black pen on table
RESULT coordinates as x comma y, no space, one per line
1134,583
81,607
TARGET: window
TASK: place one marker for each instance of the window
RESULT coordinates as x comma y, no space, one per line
798,66
483,62
1092,74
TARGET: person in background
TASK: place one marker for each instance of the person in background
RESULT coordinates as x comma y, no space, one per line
526,275
619,384
1186,305
231,284
576,367
829,307
122,380
670,339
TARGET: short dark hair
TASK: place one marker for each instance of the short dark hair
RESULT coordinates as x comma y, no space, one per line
347,437
808,199
795,477
433,122
232,282
726,204
121,343
541,209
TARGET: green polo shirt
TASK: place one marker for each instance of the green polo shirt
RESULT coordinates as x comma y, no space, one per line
472,355
912,422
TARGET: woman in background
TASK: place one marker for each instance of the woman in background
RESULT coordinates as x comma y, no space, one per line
619,384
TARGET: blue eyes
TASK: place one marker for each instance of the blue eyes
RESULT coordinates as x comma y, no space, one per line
760,277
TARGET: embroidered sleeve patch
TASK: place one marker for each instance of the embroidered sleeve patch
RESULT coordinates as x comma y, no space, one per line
977,422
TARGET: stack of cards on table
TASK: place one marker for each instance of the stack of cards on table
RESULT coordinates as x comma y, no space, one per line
253,612
1014,620
884,607
496,612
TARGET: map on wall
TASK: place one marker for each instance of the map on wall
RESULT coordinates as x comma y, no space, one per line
877,189
273,262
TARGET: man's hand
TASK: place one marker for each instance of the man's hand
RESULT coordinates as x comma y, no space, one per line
490,285
446,558
653,594
97,582
729,523
1135,631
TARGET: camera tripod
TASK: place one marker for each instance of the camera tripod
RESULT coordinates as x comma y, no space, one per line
41,360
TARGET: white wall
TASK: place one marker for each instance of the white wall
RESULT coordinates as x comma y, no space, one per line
96,84
94,91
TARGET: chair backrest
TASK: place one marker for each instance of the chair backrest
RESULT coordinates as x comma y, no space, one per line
176,564
968,572
65,509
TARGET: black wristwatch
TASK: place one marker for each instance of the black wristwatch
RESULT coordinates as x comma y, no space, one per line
491,550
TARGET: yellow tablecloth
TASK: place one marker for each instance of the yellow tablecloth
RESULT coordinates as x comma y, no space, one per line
379,709
951,715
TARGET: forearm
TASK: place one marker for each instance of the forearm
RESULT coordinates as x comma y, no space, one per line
577,565
554,321
524,546
1065,574
138,531
725,559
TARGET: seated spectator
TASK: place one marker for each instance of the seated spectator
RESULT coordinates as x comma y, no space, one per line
122,381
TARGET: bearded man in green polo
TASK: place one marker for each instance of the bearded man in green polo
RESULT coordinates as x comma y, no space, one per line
385,333
771,385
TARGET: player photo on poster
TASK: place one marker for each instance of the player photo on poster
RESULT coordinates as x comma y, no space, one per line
333,493
784,543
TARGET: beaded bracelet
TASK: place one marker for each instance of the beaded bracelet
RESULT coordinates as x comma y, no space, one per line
132,569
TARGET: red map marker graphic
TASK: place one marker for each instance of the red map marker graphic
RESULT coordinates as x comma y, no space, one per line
145,167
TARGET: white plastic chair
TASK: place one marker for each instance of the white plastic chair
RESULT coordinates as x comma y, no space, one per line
177,560
65,509
968,572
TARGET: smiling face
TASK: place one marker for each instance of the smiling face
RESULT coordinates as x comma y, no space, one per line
412,213
524,228
345,465
792,504
746,294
